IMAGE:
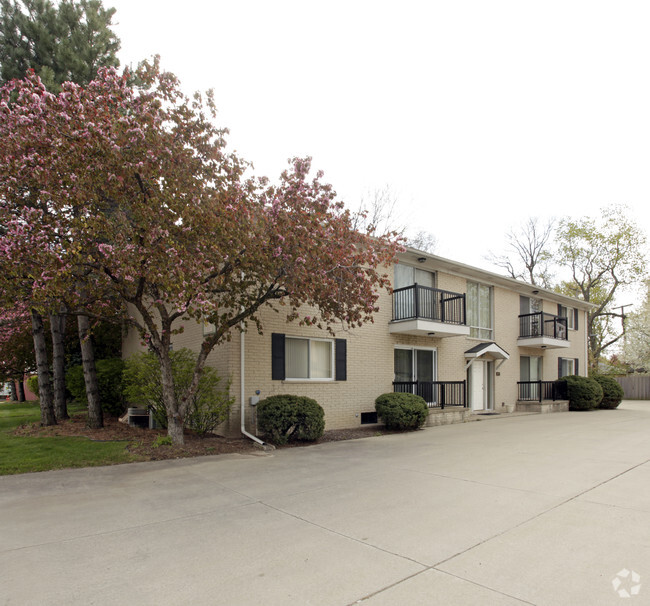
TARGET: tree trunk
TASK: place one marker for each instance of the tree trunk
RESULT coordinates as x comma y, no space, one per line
44,381
174,418
95,416
12,388
21,389
175,429
57,328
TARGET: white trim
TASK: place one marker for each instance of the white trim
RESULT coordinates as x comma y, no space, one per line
475,274
332,360
492,348
416,348
208,328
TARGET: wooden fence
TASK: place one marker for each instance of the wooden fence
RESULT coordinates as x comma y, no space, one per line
636,387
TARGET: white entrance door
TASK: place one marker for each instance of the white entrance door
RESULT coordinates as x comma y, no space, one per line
478,385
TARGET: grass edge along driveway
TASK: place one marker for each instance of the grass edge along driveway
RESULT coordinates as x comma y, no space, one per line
25,454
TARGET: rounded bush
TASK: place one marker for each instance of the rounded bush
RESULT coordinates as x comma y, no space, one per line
584,393
401,410
286,418
612,391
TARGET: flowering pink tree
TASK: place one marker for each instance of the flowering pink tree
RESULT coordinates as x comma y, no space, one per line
152,210
16,348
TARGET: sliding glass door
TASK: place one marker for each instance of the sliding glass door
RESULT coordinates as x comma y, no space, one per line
415,371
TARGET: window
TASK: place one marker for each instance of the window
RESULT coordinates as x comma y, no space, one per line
405,275
308,358
415,371
479,310
529,305
567,366
530,371
208,328
530,368
571,315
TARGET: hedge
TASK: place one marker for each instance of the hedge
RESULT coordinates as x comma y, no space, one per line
401,410
612,392
287,418
584,393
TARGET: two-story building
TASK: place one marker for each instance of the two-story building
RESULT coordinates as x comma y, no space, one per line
465,339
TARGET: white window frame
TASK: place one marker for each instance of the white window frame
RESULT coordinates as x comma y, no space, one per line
570,318
413,279
312,339
569,313
413,364
475,331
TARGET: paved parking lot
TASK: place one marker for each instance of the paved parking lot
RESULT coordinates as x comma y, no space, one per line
541,509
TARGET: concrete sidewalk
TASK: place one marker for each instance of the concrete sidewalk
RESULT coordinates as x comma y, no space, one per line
536,509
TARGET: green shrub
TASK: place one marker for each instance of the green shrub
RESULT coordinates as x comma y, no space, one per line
109,382
612,391
143,387
162,441
287,418
32,384
584,393
401,410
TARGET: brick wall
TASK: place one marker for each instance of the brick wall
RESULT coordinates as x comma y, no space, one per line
370,360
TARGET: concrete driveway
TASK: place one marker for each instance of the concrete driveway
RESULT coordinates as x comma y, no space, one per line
539,509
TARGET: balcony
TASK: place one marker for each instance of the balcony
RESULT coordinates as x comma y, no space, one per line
437,394
541,391
425,311
543,330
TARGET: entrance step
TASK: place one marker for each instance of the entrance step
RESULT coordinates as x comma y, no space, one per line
543,407
447,416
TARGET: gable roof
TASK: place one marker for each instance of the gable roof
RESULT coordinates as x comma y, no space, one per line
483,348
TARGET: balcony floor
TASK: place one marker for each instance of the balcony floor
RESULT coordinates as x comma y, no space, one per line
422,327
543,342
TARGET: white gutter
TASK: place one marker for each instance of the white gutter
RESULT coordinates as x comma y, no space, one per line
242,390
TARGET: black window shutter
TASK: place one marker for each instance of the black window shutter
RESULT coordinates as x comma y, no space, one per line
559,368
576,366
559,310
576,314
341,354
277,357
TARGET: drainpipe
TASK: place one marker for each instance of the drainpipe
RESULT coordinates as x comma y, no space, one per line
242,390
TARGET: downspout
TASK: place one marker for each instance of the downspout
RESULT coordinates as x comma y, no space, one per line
242,390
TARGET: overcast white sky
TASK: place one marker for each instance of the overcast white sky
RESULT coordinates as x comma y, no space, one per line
477,114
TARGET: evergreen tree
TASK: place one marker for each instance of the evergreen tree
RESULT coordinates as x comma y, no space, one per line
68,42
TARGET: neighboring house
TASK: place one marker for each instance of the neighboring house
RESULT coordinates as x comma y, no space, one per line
457,335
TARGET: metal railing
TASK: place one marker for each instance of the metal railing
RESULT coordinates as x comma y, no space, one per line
437,394
541,324
538,391
424,302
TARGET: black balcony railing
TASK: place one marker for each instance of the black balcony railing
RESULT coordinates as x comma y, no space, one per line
538,391
423,302
541,324
437,394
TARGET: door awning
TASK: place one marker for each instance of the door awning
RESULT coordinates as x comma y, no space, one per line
492,349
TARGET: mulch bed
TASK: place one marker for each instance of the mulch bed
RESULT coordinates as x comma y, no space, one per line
141,442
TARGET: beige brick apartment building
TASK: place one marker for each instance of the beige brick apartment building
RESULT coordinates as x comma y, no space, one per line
463,338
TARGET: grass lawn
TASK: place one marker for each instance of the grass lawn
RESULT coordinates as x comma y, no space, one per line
23,454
